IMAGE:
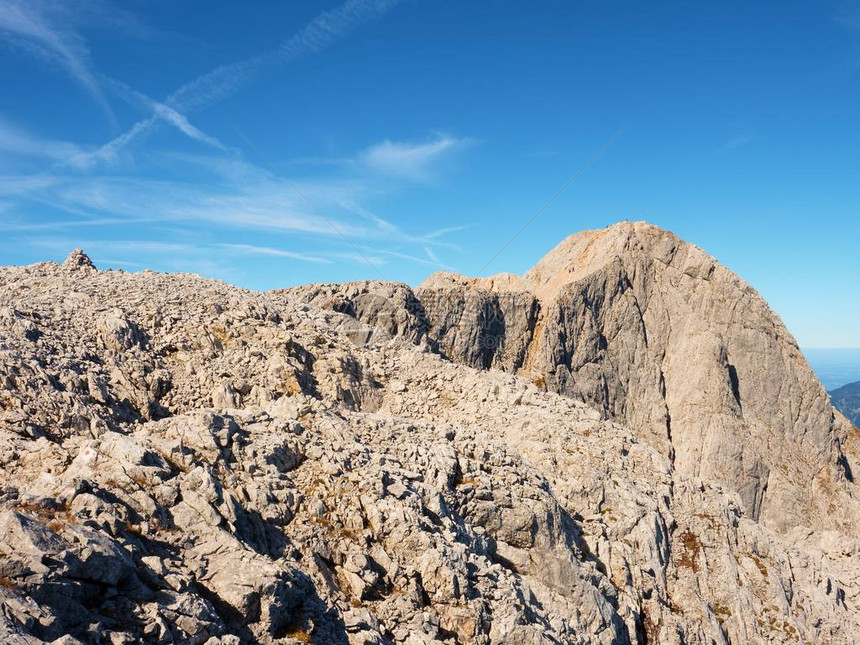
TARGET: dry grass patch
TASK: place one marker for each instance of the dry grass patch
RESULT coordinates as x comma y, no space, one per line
692,548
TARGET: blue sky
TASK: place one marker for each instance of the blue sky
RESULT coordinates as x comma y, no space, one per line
428,132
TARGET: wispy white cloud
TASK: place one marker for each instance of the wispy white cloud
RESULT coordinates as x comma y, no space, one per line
110,152
103,262
432,235
149,247
410,160
377,260
154,251
29,24
218,190
203,258
65,224
17,141
388,229
161,256
319,34
263,203
267,250
176,119
225,193
142,246
22,185
412,258
345,194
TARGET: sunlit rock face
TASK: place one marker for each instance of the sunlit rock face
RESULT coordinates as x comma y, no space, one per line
657,335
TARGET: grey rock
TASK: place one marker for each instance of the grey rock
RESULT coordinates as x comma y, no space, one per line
655,334
478,461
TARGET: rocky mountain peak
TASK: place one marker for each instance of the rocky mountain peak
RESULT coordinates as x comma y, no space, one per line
588,252
637,455
652,331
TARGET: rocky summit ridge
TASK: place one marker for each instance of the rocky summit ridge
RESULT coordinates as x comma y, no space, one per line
622,446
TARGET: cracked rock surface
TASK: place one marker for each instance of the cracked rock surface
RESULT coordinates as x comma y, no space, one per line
654,333
189,462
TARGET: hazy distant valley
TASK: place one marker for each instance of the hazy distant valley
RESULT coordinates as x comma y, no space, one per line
847,400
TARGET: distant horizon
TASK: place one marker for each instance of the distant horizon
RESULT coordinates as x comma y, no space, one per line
834,366
834,349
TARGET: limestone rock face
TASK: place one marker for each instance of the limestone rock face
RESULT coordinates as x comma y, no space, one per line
662,337
657,335
188,462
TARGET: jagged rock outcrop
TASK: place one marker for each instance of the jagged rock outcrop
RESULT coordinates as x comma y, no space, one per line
655,333
188,462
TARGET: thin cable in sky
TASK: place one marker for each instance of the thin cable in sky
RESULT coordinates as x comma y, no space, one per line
544,207
312,205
